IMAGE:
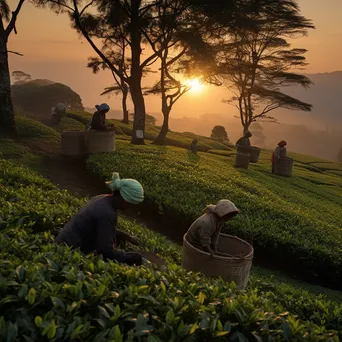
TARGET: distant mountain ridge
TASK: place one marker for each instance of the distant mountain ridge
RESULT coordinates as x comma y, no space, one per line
325,95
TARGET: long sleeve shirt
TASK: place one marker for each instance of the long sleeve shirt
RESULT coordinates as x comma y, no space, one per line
98,121
280,152
205,231
93,228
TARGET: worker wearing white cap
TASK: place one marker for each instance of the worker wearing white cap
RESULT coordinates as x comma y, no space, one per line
205,231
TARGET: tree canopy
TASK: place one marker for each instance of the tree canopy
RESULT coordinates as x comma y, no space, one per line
219,133
256,61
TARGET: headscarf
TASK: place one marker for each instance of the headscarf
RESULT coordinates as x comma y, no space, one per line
60,107
222,208
282,143
103,107
130,189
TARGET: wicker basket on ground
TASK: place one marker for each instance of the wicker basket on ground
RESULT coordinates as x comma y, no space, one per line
284,167
73,143
232,264
100,141
255,153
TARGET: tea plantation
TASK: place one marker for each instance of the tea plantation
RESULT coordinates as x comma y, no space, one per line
49,292
294,221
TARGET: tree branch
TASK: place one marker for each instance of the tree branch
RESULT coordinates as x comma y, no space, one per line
85,7
11,25
92,44
16,53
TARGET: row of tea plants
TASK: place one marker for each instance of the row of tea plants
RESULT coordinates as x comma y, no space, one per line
294,220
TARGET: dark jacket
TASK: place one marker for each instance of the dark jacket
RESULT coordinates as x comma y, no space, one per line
205,231
93,228
98,121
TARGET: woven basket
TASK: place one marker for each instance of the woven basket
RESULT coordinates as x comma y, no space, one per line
255,153
73,143
242,160
234,267
98,141
284,167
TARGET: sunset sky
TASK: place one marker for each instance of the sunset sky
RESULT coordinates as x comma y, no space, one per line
54,51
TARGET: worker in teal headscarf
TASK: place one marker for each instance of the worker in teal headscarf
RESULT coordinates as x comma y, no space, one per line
93,228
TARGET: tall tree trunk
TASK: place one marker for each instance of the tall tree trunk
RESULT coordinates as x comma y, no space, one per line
139,112
166,109
136,76
124,103
160,140
7,121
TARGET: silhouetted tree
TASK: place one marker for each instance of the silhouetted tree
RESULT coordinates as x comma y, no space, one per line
7,26
181,29
256,60
21,77
170,30
117,56
219,133
133,17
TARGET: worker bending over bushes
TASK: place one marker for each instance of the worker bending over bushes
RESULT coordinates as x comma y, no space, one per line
98,121
279,153
204,233
93,228
244,142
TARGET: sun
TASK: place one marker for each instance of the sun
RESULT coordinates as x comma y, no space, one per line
195,84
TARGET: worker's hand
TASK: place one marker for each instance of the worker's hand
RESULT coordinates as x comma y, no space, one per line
208,250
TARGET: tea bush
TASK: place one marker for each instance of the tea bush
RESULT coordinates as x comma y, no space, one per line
28,200
292,220
49,292
30,128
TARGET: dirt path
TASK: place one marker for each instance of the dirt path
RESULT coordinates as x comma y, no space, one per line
72,175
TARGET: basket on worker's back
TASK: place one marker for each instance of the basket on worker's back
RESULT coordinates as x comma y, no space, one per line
235,267
100,141
73,144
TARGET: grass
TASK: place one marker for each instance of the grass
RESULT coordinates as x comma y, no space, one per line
291,220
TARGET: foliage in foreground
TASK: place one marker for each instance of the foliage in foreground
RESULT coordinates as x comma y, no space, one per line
28,200
294,220
48,291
